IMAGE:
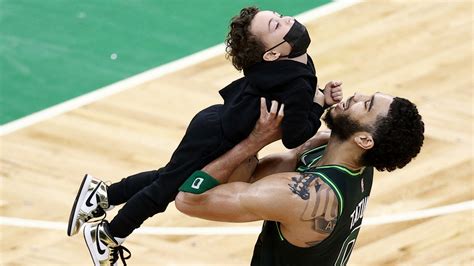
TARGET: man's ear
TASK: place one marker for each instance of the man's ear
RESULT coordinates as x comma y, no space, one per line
364,140
271,56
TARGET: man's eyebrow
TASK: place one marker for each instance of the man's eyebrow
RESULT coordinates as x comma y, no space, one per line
372,101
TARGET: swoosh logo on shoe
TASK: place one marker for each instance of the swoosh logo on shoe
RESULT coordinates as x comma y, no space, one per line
97,241
89,199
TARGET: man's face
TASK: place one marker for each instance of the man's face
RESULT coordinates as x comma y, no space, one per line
270,27
356,114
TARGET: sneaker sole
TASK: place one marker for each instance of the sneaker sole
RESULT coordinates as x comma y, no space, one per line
86,181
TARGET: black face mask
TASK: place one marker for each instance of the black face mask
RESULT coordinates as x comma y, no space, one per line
298,38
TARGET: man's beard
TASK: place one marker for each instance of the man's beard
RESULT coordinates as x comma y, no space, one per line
342,126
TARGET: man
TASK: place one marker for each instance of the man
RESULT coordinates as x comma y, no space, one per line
271,49
312,216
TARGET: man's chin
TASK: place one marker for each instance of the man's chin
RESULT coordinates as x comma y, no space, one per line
336,109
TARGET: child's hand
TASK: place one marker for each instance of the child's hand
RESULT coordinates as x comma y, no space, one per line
332,93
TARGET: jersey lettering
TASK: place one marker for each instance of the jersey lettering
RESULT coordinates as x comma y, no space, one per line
358,211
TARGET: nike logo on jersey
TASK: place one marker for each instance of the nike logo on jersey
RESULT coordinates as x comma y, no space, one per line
89,199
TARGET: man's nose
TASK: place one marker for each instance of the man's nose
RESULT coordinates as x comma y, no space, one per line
358,97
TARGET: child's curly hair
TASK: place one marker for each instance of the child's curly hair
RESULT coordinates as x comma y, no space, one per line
242,46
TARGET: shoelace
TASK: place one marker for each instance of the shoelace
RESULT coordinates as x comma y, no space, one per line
117,252
97,215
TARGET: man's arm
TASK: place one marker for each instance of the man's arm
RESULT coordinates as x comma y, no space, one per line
226,200
237,202
240,201
284,197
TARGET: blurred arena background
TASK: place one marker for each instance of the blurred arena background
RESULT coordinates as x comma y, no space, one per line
108,88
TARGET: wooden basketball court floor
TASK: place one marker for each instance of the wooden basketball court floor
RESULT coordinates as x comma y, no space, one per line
421,50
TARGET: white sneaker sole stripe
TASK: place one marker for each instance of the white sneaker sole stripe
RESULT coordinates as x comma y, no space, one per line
81,194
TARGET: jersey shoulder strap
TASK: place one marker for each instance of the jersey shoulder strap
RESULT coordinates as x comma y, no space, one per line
309,158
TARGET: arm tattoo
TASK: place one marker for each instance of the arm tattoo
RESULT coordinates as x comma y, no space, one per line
321,202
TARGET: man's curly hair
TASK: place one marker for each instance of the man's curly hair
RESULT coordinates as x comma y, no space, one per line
242,46
398,137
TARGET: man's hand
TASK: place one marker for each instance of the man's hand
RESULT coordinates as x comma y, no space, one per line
332,93
267,129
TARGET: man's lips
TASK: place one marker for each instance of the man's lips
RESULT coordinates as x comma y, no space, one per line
347,103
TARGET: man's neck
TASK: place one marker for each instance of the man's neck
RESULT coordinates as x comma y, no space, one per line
341,153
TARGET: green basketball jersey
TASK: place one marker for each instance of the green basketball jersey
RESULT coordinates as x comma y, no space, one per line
352,189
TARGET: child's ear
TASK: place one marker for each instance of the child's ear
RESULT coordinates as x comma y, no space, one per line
271,56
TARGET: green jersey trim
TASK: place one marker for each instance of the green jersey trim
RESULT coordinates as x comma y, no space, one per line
306,167
303,156
279,232
314,160
334,187
342,168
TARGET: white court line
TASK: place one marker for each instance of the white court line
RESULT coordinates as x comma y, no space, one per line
150,75
246,230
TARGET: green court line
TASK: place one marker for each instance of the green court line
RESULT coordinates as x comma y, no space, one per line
52,51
